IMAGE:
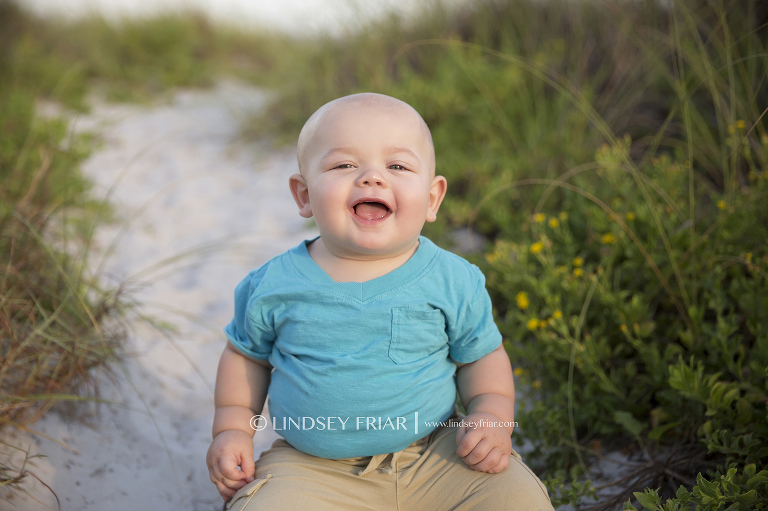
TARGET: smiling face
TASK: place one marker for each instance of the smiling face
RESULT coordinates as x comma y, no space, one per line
367,176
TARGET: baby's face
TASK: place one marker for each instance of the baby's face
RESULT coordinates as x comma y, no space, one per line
369,176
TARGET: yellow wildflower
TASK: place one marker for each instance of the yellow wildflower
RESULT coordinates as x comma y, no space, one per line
536,384
542,323
740,124
630,216
553,222
563,216
561,269
557,314
749,257
578,261
608,239
518,371
623,328
537,247
577,272
522,300
532,324
539,217
731,129
721,204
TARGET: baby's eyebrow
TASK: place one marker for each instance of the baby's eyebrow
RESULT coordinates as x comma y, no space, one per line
390,150
347,150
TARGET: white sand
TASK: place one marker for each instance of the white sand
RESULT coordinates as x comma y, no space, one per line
191,186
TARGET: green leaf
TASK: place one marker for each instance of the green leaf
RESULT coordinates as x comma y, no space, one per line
706,487
629,422
758,479
745,499
682,494
648,499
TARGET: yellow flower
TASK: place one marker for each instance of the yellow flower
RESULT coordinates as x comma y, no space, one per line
623,328
522,300
537,247
561,269
740,124
563,216
532,324
518,371
721,204
731,129
557,314
577,272
553,222
749,257
539,217
536,384
630,216
542,324
608,239
578,261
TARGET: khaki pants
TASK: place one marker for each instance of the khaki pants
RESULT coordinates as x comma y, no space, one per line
427,475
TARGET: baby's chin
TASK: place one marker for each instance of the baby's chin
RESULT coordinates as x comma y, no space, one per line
372,250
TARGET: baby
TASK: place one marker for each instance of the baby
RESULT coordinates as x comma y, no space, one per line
362,336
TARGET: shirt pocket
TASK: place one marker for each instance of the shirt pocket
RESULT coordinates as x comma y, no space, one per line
416,334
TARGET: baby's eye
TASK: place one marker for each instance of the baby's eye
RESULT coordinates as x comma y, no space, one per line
344,166
395,166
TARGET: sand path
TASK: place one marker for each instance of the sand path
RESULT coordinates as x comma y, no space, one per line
187,186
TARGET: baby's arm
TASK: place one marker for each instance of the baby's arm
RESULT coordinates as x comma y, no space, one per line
487,390
241,389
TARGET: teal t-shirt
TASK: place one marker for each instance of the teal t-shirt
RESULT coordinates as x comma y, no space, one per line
362,368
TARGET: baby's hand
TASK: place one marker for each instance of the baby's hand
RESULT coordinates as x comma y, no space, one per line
230,449
483,447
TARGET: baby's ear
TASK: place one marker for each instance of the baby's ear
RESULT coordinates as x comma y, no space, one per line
436,196
300,194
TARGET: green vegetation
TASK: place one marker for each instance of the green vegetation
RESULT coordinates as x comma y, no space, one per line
613,154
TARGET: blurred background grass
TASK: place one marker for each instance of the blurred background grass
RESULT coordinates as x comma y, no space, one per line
611,155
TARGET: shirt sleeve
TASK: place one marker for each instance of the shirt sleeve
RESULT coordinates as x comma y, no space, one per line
475,334
250,330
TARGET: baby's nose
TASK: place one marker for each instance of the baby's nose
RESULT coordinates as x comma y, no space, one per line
371,178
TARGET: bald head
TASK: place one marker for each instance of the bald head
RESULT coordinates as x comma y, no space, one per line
363,102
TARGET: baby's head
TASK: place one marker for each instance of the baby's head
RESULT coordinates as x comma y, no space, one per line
367,175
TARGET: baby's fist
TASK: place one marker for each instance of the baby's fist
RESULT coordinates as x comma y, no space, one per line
230,449
484,443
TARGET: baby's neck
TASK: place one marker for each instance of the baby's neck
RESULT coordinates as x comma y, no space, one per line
342,269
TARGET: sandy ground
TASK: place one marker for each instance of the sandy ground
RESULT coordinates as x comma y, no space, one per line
185,186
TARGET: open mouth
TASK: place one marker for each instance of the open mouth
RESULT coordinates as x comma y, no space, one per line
371,210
